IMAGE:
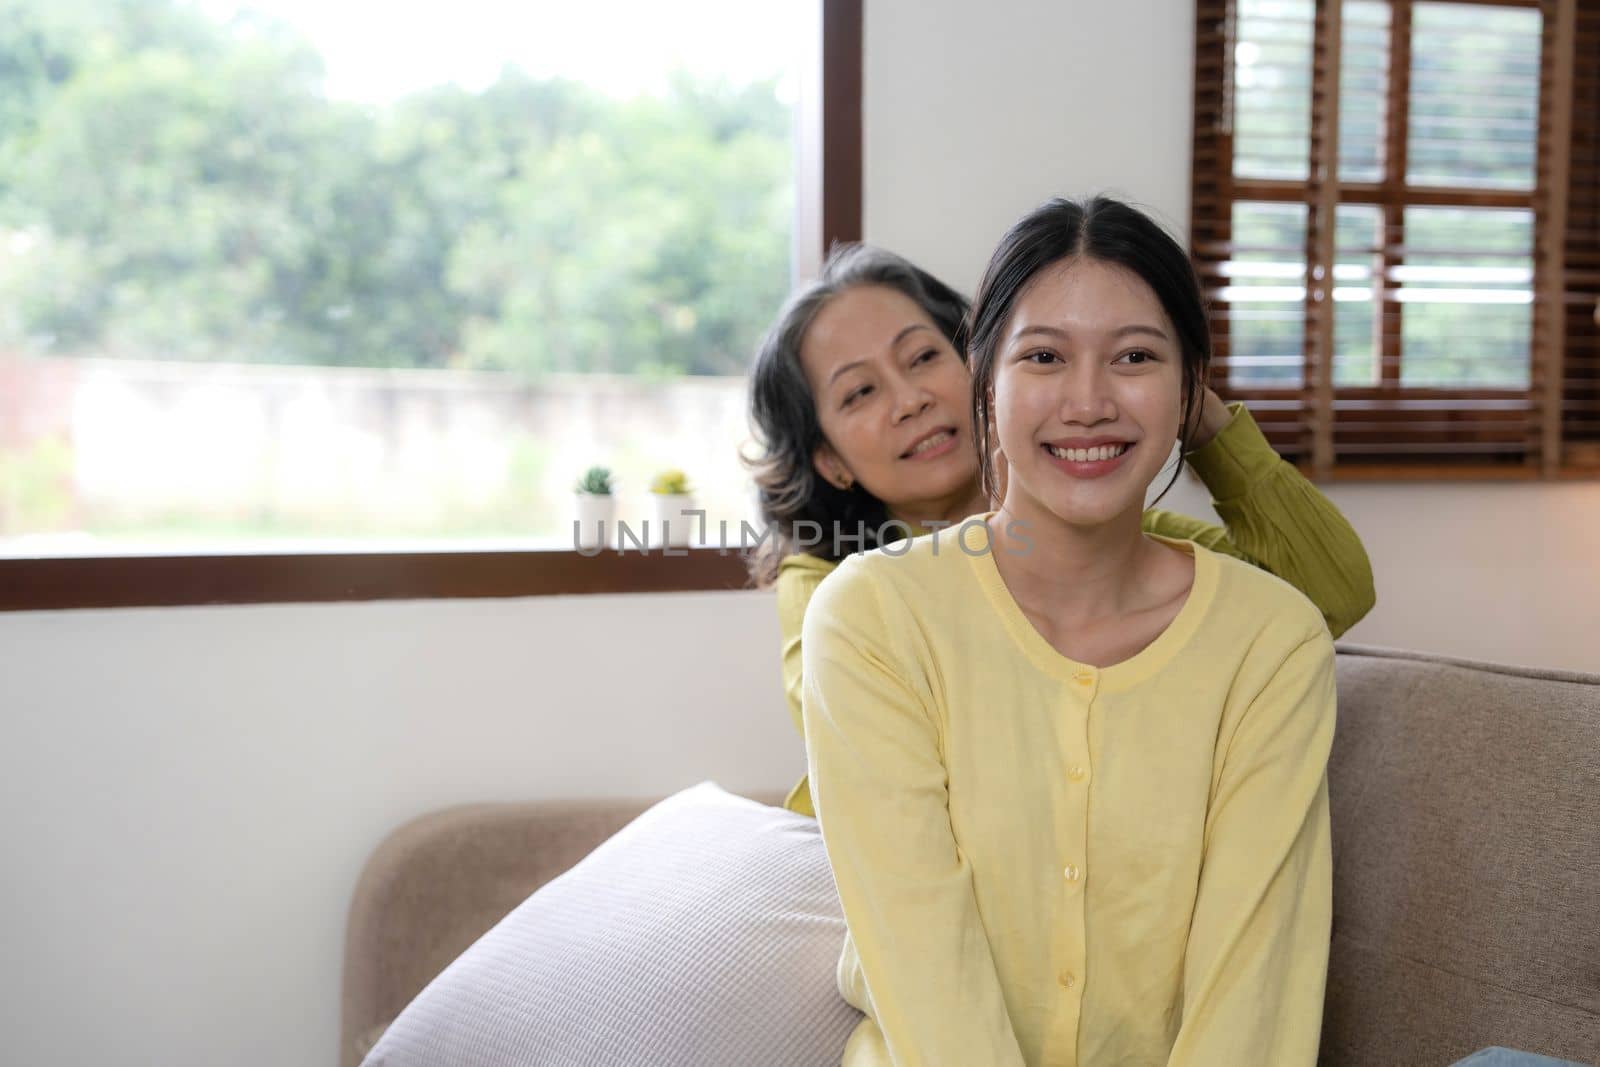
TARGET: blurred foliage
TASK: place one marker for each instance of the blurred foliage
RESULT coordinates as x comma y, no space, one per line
173,186
36,485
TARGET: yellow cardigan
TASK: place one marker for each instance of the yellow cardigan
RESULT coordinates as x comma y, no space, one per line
1044,862
1275,519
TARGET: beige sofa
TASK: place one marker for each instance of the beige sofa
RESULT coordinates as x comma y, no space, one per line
1466,819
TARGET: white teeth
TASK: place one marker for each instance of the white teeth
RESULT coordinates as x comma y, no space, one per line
933,442
1088,455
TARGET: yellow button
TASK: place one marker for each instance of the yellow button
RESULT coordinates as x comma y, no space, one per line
1076,772
1083,677
1071,873
1068,979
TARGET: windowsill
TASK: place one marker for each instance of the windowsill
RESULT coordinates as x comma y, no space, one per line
88,546
60,583
1377,472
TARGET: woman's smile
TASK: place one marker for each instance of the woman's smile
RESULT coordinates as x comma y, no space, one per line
1089,458
932,445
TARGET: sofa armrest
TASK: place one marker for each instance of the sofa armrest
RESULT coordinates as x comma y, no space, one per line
438,883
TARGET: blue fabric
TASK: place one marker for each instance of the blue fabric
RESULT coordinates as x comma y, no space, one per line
1505,1057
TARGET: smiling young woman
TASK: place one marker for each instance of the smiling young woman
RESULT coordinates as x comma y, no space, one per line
861,402
1072,778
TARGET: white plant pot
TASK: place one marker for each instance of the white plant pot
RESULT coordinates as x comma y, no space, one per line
672,527
596,519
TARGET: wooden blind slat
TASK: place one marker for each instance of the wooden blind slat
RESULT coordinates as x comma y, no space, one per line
1555,128
1323,200
1212,150
1392,251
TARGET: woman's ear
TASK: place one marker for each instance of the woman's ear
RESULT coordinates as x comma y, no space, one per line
831,467
1002,469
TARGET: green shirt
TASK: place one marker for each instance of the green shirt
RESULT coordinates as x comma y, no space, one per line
1275,518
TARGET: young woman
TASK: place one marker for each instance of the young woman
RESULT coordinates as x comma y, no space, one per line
1071,776
860,402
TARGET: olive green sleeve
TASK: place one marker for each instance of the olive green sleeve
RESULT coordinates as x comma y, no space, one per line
1279,521
1187,528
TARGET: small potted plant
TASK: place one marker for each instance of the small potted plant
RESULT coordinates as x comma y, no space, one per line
673,498
596,507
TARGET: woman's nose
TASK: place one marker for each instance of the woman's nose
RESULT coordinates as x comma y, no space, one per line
910,401
1087,395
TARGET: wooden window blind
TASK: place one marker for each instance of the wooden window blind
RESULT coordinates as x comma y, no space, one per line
1396,216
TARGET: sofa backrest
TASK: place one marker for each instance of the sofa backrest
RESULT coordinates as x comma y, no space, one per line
1466,846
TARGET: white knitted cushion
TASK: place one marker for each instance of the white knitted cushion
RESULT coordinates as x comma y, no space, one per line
706,933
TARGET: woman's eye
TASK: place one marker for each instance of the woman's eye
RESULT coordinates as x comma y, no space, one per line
856,394
1137,357
1040,357
924,357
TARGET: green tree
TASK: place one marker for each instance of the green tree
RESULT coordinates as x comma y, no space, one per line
184,188
656,238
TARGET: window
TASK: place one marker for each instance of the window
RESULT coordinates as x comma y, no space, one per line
270,279
1396,215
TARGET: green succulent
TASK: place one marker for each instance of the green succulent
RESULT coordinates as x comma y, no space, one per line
596,480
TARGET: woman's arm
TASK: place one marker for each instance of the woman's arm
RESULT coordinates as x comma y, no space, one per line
798,578
1257,959
1275,518
879,785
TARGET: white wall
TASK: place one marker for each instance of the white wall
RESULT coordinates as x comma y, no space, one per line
187,795
975,113
1500,572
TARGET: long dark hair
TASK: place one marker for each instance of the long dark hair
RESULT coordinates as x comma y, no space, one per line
1110,231
783,413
